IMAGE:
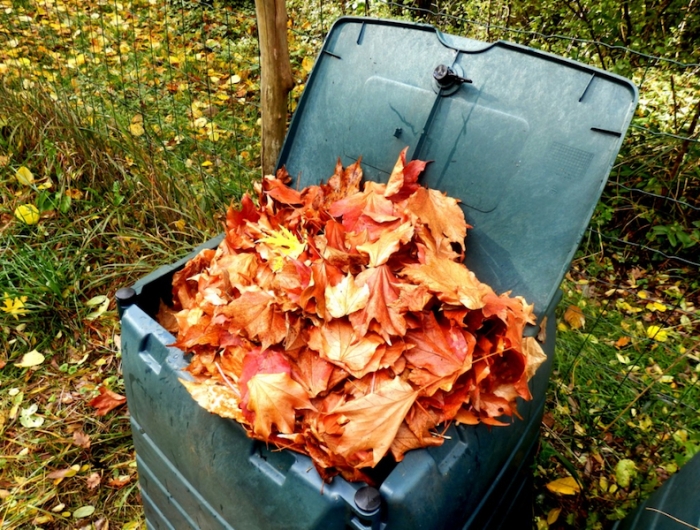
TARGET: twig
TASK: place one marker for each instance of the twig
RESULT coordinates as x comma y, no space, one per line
672,517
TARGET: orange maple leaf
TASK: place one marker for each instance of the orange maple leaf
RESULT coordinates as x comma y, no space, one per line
370,423
273,398
451,282
337,342
384,291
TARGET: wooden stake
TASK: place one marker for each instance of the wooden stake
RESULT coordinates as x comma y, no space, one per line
276,78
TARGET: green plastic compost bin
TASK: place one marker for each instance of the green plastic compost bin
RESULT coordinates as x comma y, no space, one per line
526,140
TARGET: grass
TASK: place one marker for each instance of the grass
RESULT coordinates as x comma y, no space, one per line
138,130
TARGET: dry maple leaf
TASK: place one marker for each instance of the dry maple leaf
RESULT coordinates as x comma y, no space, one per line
441,213
337,342
380,308
106,401
273,399
370,423
451,282
346,297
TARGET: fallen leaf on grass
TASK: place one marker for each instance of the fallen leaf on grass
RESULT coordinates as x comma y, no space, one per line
625,471
120,481
574,317
81,439
58,475
564,486
622,342
27,213
93,480
24,176
553,515
33,358
656,333
84,511
106,401
28,417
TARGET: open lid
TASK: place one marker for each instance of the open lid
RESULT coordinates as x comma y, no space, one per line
523,138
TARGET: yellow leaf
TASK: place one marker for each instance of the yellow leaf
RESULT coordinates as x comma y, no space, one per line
234,79
564,486
27,213
656,306
136,129
643,295
284,242
553,515
33,358
24,176
307,64
574,317
14,306
656,333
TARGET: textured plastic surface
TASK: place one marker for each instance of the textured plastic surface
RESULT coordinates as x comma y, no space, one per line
527,147
678,499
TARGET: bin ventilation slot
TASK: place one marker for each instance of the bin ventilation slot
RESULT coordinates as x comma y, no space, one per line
332,54
362,34
606,131
588,85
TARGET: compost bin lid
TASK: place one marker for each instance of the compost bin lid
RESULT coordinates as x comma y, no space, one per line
523,138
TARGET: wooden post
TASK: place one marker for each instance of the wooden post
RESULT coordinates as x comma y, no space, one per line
276,78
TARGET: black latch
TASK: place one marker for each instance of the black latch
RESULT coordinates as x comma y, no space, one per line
446,77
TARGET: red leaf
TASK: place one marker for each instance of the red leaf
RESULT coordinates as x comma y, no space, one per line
106,401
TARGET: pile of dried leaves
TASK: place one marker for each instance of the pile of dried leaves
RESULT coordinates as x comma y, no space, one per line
339,322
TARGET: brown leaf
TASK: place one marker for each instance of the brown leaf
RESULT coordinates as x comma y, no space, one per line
93,480
216,398
81,439
63,473
346,297
574,317
388,243
383,289
120,481
106,401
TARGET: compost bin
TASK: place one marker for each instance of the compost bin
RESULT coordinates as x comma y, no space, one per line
526,141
